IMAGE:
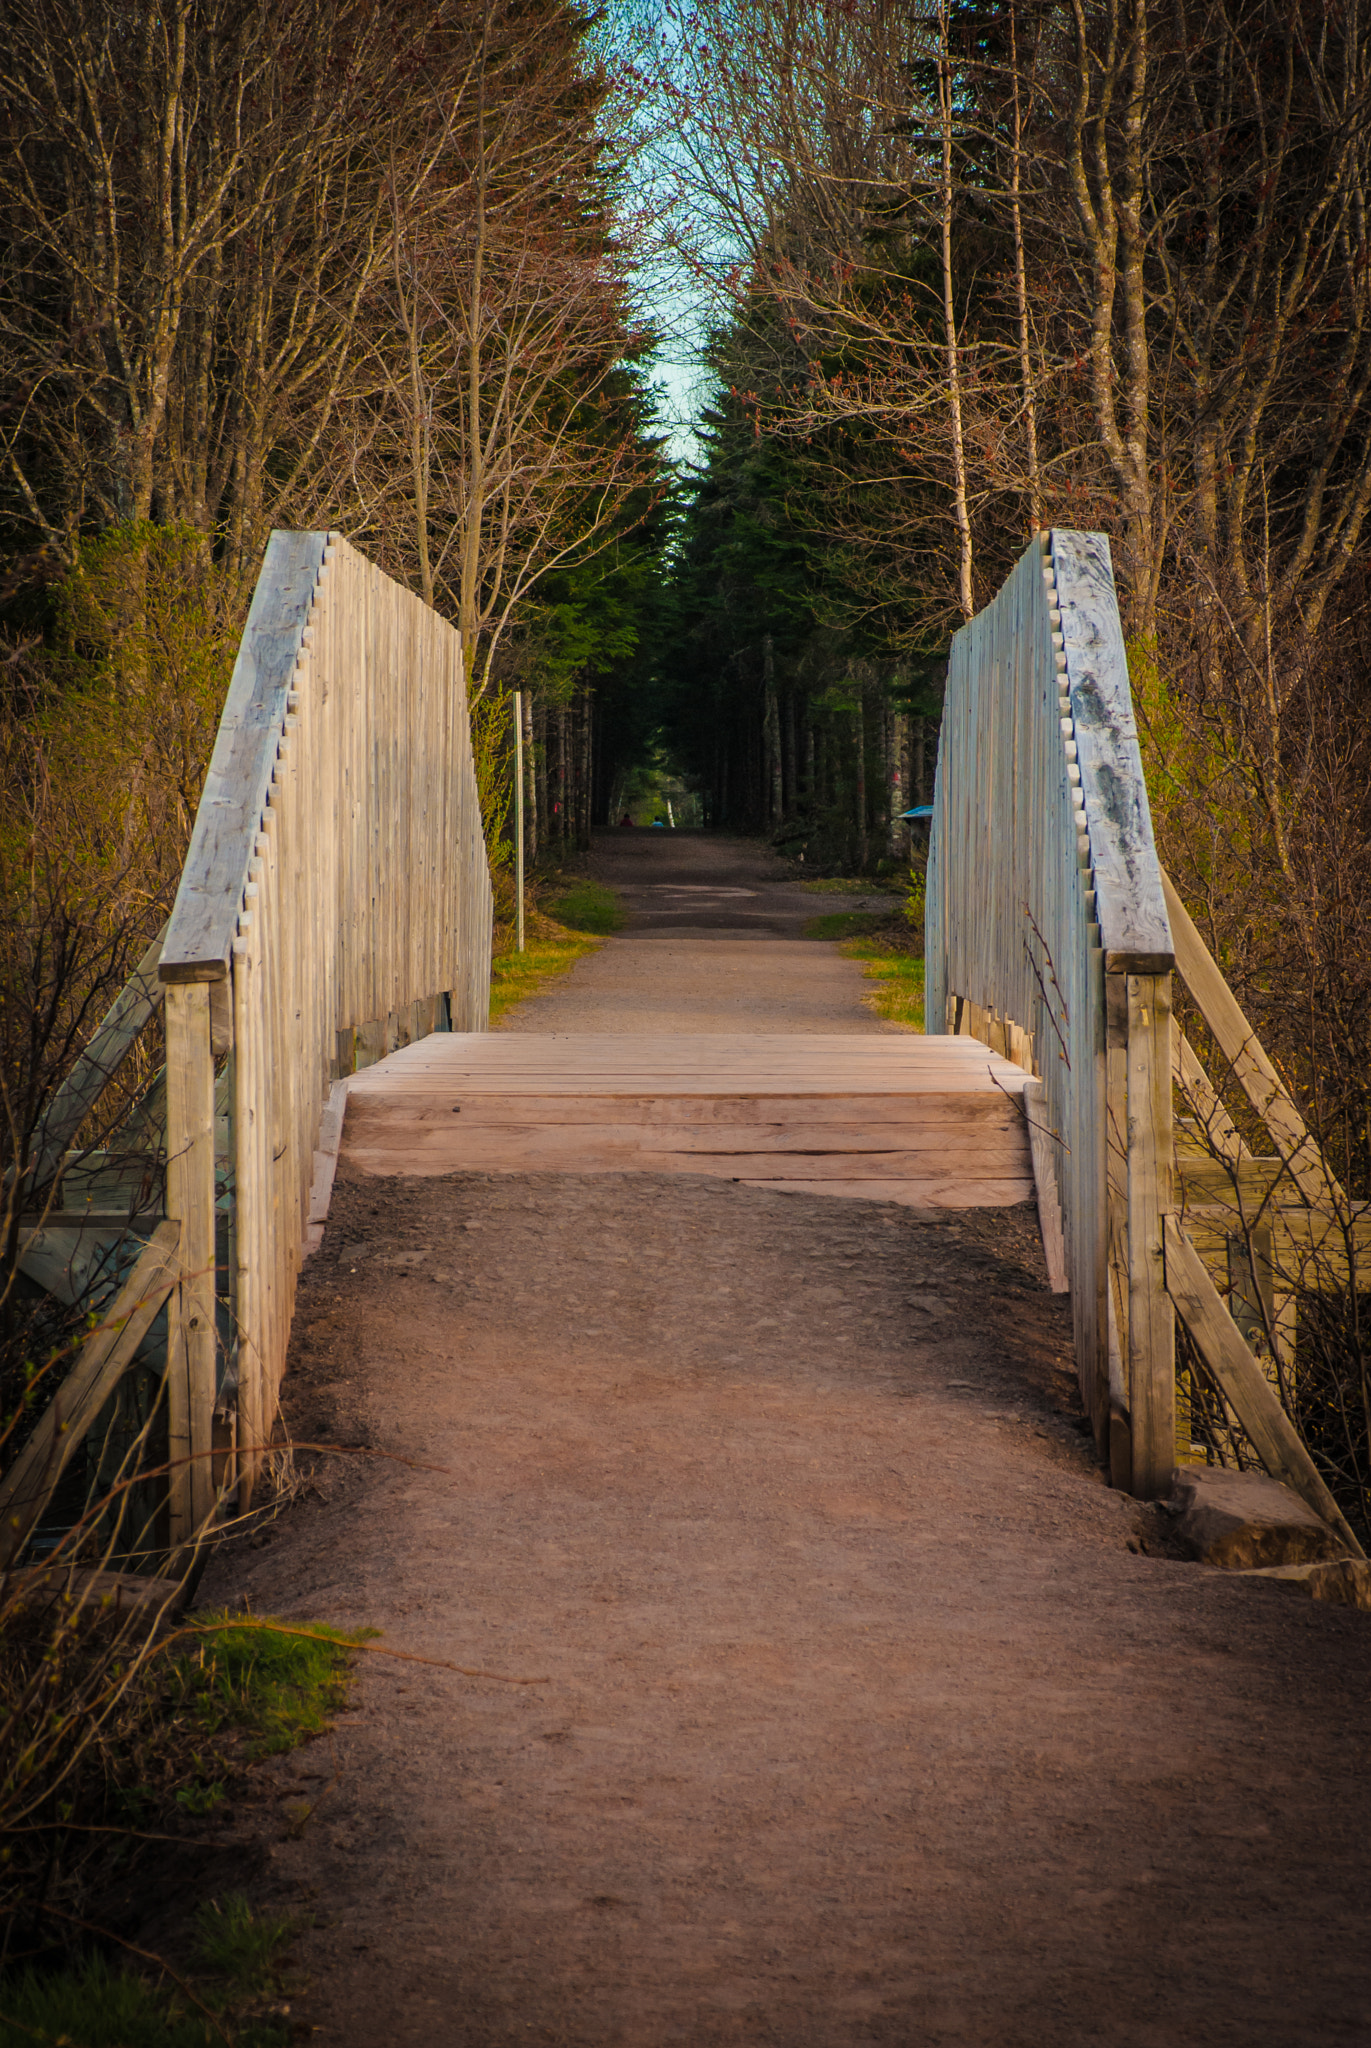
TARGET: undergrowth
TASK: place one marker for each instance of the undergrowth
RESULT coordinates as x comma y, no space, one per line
847,924
851,885
91,2002
550,950
94,2004
252,1676
117,1734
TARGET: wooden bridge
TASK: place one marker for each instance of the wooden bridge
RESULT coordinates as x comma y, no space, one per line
324,981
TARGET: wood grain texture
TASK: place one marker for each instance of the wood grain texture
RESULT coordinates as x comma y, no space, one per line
1151,1332
1042,1150
204,916
337,876
1042,875
192,1362
1135,932
892,1119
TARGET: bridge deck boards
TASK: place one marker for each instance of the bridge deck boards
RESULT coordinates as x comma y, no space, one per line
931,1122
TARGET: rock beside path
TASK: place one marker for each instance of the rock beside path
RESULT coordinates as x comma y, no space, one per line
1344,1582
1243,1521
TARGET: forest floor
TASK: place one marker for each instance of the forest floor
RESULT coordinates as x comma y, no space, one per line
824,1694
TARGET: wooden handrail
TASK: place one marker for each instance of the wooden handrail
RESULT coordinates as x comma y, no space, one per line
1051,925
1047,927
336,887
204,917
1130,910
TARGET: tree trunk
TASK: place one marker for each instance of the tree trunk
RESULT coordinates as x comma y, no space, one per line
587,766
898,726
859,776
774,792
960,496
560,801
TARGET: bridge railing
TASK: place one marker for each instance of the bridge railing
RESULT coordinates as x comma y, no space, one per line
1049,935
335,902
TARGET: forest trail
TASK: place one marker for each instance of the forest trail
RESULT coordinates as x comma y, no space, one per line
714,942
846,1711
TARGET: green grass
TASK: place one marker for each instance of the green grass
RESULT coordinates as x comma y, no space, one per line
95,2005
588,906
516,975
898,993
252,1674
225,1689
880,939
241,1949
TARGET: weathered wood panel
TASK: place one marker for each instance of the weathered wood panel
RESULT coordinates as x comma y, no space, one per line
1043,890
336,875
930,1123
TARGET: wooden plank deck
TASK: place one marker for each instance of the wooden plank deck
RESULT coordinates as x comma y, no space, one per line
931,1122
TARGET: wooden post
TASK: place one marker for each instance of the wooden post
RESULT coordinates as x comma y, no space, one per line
519,812
1151,1317
191,1335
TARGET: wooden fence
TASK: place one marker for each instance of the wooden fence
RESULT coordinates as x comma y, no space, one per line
335,903
1052,934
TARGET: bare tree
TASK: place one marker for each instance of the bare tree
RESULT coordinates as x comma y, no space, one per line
513,300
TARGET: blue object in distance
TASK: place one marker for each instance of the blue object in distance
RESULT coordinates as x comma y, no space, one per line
919,811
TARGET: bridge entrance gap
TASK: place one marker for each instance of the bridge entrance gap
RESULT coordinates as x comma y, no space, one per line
817,1691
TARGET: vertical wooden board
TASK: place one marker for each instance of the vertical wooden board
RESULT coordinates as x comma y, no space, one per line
247,1307
1042,1148
1151,1318
191,1345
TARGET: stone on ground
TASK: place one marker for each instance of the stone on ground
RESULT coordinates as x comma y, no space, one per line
1243,1521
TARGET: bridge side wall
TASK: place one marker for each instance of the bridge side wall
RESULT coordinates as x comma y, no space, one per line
337,876
1046,934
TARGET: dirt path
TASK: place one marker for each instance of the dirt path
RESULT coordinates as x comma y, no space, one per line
858,1720
714,942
